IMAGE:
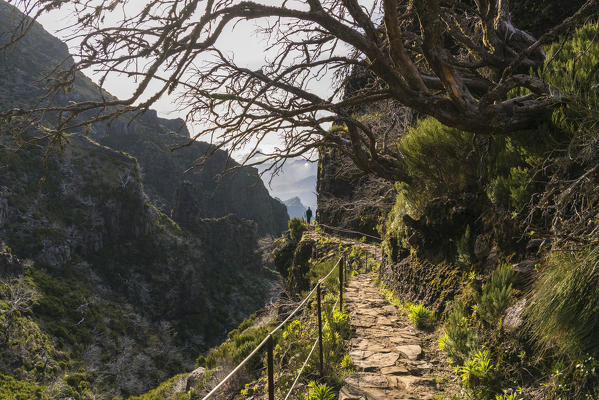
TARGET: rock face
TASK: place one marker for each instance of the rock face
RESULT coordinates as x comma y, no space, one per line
148,138
118,283
194,378
349,198
423,281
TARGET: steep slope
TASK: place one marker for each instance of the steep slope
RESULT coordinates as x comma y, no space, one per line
23,73
111,295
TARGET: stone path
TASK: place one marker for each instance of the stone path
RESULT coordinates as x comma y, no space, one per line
385,349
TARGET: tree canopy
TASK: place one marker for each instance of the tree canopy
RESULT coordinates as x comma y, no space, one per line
460,61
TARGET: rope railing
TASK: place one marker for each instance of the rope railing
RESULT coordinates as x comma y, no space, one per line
338,229
268,340
317,341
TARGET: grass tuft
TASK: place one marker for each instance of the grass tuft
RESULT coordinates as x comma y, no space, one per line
564,305
421,316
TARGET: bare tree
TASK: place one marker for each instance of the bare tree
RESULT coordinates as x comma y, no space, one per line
456,60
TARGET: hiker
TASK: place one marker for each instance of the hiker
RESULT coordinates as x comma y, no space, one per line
308,215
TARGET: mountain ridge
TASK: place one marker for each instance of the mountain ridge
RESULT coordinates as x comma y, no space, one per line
147,137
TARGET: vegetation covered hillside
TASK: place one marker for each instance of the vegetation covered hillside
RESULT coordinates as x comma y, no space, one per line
102,294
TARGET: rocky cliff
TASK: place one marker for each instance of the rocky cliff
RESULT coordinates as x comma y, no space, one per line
119,293
147,137
349,198
295,208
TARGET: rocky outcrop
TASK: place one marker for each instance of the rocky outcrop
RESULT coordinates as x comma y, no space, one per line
423,282
349,198
194,378
295,208
10,265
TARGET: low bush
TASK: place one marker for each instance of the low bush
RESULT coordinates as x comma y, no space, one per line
14,389
318,392
496,294
460,338
509,395
296,228
421,316
478,374
236,348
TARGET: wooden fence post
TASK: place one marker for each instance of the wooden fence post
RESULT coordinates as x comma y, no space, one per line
341,268
320,332
270,364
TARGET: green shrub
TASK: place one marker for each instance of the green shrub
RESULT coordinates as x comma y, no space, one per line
393,230
14,389
564,305
511,191
318,392
460,338
478,375
573,69
241,342
421,316
436,157
464,248
496,294
347,362
509,395
296,228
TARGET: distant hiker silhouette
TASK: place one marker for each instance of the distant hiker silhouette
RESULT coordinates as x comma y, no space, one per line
308,215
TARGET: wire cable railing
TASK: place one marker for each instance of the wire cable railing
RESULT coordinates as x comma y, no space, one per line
268,340
345,230
317,341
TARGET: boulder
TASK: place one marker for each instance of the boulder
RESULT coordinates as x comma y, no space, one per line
513,316
195,377
523,271
481,248
411,351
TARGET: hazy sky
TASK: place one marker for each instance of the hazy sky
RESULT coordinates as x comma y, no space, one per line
298,178
242,44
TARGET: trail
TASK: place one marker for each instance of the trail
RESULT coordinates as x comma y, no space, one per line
386,349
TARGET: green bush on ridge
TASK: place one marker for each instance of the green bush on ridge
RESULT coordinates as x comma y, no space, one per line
435,156
296,228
